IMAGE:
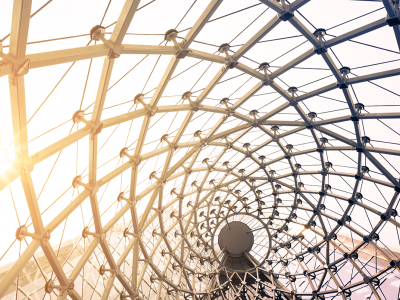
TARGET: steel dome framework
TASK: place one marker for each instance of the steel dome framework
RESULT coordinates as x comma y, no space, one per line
170,245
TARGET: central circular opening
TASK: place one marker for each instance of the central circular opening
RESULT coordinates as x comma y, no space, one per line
236,238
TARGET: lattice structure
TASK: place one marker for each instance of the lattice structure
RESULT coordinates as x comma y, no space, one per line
321,231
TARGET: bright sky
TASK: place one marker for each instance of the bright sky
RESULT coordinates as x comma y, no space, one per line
55,93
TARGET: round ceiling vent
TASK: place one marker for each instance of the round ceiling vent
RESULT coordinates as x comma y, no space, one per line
236,238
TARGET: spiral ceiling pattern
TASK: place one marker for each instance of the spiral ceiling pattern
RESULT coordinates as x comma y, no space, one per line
233,156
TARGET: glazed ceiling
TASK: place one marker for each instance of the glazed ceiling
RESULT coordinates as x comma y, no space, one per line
126,148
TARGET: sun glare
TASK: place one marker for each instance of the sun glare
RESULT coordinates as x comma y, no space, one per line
199,150
3,160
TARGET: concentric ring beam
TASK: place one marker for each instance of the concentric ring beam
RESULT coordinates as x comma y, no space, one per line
195,148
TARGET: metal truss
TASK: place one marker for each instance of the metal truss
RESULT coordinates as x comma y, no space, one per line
185,226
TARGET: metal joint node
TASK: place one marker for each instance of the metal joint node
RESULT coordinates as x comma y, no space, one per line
255,123
25,168
173,191
135,160
229,114
97,33
182,53
50,286
171,36
122,197
320,50
22,232
231,63
20,67
229,145
154,278
199,189
287,15
194,104
293,90
343,83
393,21
77,181
127,232
150,110
164,139
153,176
268,81
394,263
202,141
209,167
319,34
86,233
187,170
115,52
79,116
158,210
103,270
224,101
293,102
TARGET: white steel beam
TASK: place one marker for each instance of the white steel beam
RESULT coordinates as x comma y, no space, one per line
124,20
207,56
356,32
306,55
195,148
389,8
391,12
304,31
201,22
257,37
374,76
45,59
354,80
274,5
250,71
